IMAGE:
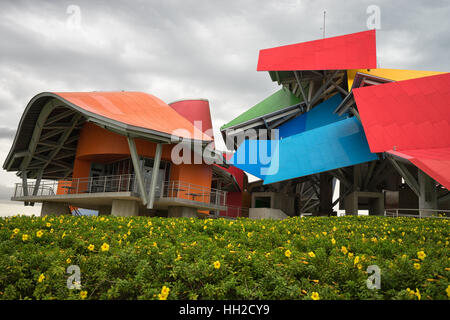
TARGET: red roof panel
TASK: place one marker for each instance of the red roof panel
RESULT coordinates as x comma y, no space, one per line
351,51
406,115
411,117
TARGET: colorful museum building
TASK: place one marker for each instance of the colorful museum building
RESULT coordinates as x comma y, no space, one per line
383,134
113,151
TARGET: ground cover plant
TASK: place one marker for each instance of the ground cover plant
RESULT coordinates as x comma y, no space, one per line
167,258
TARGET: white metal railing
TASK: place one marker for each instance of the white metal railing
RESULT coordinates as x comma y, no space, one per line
113,183
421,213
189,191
121,183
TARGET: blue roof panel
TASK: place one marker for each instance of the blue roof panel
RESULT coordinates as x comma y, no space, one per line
319,116
336,145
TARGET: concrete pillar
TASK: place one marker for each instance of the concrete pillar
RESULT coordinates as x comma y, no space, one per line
104,211
125,208
376,206
428,194
54,209
326,194
356,177
351,204
185,212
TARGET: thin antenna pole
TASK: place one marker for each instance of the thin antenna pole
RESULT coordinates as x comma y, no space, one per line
324,12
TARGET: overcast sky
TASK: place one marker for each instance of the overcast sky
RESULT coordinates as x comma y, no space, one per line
188,48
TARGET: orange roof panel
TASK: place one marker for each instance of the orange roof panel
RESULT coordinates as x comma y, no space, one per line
137,109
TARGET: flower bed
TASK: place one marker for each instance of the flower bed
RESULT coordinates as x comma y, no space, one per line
166,258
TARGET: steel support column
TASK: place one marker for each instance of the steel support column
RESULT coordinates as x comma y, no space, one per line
137,169
155,172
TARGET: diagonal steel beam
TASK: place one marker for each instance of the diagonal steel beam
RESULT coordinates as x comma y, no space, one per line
369,174
137,169
322,89
299,82
60,116
406,175
62,139
154,179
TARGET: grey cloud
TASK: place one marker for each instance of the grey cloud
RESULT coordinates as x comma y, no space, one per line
186,48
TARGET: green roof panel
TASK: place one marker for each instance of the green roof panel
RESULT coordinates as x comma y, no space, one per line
279,100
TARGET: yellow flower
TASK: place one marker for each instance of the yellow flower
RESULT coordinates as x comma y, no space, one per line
83,294
39,233
164,293
350,254
48,224
315,296
356,260
344,250
216,264
16,231
91,247
417,266
68,260
421,255
105,247
333,241
25,237
418,295
448,291
41,277
288,253
312,254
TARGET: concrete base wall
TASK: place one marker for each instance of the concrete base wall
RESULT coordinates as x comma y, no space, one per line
124,208
375,202
266,213
278,200
428,194
182,212
54,209
376,206
104,211
351,204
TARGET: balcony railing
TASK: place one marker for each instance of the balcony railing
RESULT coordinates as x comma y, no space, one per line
122,183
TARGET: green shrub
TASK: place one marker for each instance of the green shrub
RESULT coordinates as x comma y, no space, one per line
259,259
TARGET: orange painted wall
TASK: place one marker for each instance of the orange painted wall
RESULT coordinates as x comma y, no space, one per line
100,145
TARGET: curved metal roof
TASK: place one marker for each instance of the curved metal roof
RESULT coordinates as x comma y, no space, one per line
137,109
48,130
